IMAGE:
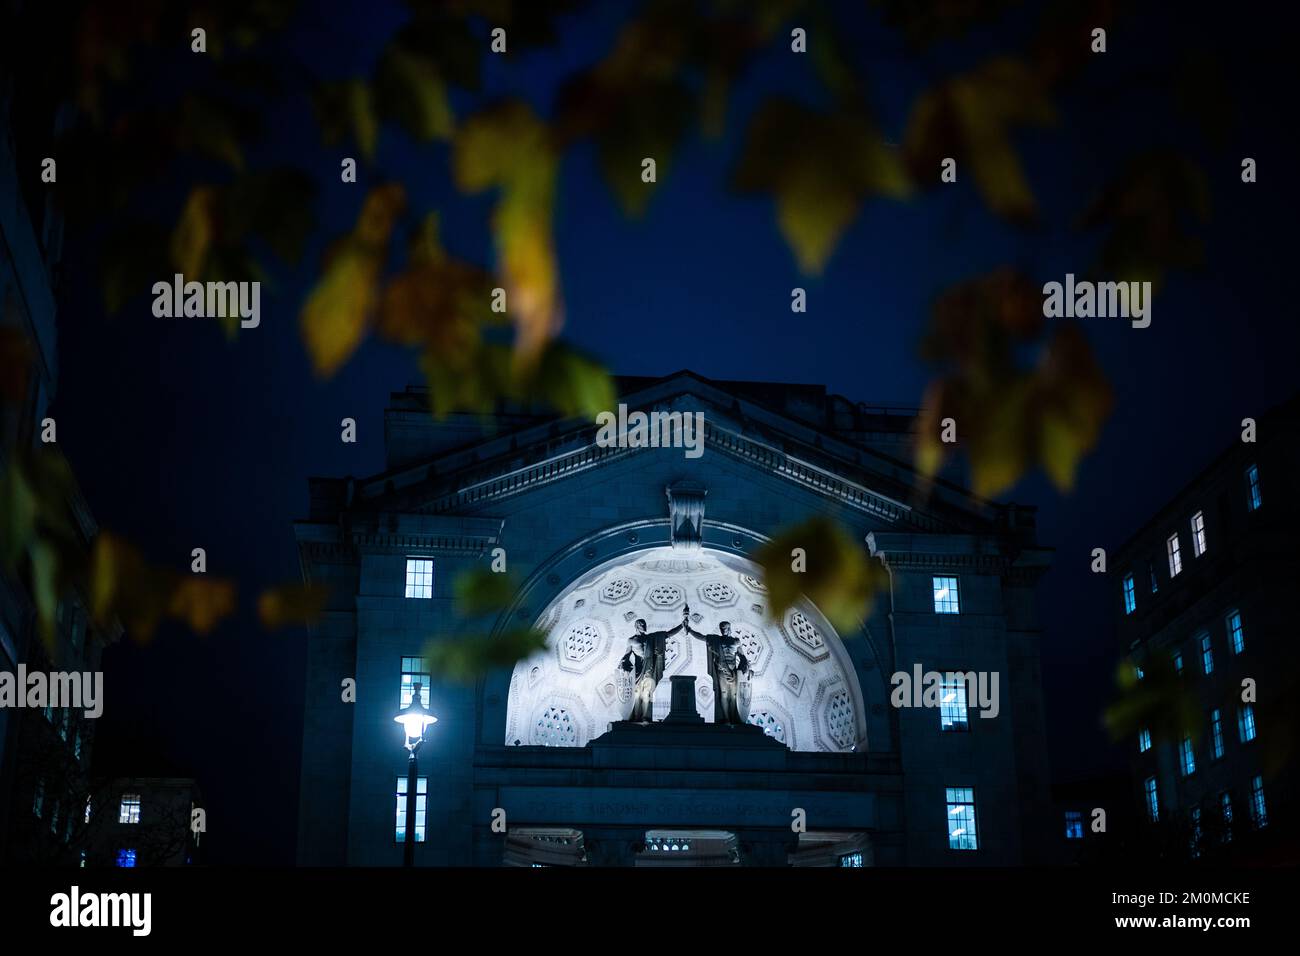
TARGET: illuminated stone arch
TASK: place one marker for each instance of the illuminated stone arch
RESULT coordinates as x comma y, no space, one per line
805,691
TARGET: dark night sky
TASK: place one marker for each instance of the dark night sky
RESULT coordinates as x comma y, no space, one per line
183,439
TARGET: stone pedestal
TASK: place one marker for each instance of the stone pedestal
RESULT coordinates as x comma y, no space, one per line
683,710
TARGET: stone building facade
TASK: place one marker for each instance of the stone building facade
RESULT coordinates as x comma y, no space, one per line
1204,600
827,772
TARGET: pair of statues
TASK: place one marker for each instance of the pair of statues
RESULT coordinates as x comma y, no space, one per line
643,667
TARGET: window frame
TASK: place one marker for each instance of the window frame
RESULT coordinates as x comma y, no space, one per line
971,817
1174,551
1200,543
421,810
419,579
1130,594
129,809
951,603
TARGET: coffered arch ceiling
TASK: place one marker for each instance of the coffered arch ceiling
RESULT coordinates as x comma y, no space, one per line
803,691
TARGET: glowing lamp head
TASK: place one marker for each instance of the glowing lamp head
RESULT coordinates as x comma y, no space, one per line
414,718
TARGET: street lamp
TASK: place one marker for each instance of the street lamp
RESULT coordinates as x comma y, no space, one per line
414,719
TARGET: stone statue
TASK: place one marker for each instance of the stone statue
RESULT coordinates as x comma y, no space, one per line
644,665
729,669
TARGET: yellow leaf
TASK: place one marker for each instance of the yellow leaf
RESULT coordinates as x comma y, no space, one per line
290,605
201,601
817,559
193,235
334,317
510,148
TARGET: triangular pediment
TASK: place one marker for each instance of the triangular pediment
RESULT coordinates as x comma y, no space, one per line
740,421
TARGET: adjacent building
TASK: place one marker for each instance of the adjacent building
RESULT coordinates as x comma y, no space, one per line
536,763
1205,606
145,822
44,752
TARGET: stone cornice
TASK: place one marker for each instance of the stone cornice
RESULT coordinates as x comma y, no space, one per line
983,553
389,533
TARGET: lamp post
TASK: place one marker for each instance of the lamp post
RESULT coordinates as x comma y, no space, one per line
414,718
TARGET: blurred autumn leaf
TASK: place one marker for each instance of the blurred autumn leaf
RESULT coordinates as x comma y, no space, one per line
924,22
820,168
482,593
339,306
38,533
465,659
1008,418
347,109
1160,702
1146,210
290,605
508,148
15,364
123,585
839,577
970,117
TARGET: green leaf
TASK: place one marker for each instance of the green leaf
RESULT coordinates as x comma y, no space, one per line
837,576
970,118
465,659
820,168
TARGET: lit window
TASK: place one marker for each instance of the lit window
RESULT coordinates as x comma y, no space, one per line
129,812
961,819
1258,812
1253,499
945,596
1246,723
1207,654
1130,595
1144,740
415,670
1073,824
126,857
1236,633
421,795
1175,555
1225,811
1141,674
851,859
1196,832
1178,662
419,577
87,809
1187,757
38,799
1151,570
1198,533
1216,732
952,705
1153,800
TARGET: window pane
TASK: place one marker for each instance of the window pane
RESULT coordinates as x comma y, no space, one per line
129,812
1236,633
421,796
419,577
1246,723
1253,498
952,705
415,670
1130,595
946,599
1198,533
1175,555
961,819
